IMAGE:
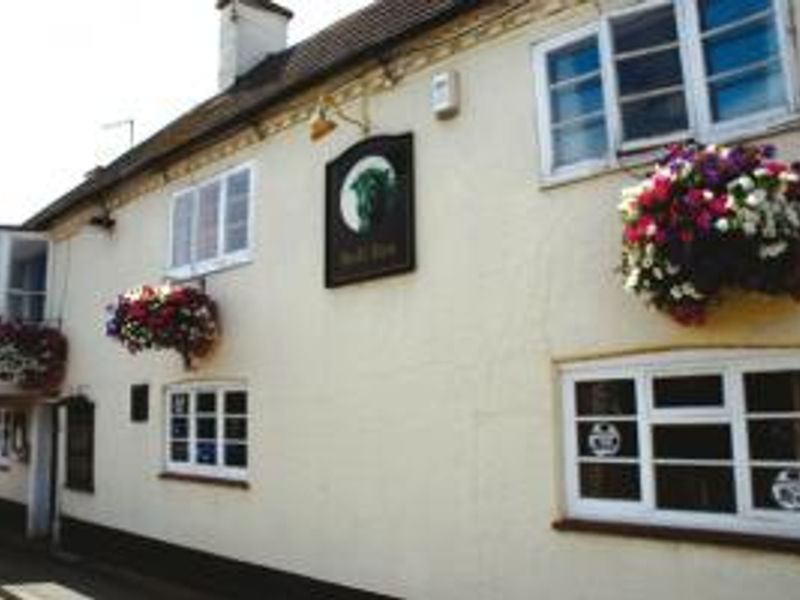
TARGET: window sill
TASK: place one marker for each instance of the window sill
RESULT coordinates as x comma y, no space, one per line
79,489
209,268
648,155
205,480
681,534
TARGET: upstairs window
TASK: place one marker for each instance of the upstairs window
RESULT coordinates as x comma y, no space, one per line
23,276
707,69
710,443
211,224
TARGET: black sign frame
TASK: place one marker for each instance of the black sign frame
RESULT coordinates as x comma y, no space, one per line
386,245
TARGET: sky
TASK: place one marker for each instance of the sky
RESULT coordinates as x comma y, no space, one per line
73,68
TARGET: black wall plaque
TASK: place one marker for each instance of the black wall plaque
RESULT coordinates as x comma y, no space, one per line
140,403
369,213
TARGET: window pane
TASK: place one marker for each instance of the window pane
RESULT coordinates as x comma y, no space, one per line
235,455
749,93
237,209
206,402
688,392
179,452
580,141
741,47
26,306
610,481
208,221
773,392
206,453
572,101
180,428
28,265
180,404
239,184
714,13
236,403
692,441
649,72
182,217
776,489
645,29
607,438
707,489
573,61
610,397
657,115
774,439
235,429
207,429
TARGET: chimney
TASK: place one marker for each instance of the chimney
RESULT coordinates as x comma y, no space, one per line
249,31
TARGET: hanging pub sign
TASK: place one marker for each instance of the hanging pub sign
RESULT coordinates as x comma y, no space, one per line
369,216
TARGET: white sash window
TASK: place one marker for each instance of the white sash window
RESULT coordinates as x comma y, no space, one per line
666,71
207,431
211,224
686,439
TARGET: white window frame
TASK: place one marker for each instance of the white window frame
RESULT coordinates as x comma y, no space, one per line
731,364
223,260
7,239
698,105
192,467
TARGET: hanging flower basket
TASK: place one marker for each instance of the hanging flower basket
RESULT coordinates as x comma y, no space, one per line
32,356
183,319
708,219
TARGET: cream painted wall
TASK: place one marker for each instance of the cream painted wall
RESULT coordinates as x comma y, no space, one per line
404,433
14,482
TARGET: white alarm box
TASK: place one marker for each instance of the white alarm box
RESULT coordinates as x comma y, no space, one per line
445,94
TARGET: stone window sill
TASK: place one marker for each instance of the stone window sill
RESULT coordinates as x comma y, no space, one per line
205,480
681,534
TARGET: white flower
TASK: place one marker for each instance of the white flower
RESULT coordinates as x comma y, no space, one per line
708,194
749,227
744,182
676,292
761,172
673,269
789,176
773,250
633,279
723,225
756,197
658,273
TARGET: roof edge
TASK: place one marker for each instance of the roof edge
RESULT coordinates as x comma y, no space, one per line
78,197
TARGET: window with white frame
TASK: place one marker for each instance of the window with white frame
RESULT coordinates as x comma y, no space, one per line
6,428
698,440
664,71
211,224
207,430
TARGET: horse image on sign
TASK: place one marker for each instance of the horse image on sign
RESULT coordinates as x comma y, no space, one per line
369,194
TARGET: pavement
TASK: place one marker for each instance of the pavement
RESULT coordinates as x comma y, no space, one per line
33,572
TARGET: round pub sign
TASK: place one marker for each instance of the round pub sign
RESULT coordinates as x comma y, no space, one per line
370,211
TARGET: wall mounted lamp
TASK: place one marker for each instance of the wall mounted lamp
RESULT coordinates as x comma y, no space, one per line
327,113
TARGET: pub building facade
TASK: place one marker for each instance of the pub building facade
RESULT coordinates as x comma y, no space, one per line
406,362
